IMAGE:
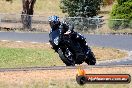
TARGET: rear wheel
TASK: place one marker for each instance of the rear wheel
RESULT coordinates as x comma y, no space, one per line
67,61
90,60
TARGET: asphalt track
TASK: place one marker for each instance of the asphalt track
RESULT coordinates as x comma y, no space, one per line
115,41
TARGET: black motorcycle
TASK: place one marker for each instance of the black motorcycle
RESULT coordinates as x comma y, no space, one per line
70,50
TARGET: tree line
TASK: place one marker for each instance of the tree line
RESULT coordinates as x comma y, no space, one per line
84,8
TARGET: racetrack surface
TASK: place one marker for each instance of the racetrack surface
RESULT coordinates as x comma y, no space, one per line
116,41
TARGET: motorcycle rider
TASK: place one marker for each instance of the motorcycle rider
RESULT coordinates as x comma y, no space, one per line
55,24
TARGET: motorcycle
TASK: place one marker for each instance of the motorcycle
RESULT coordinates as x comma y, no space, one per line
70,50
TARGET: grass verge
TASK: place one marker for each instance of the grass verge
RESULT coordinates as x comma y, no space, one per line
25,54
42,7
18,57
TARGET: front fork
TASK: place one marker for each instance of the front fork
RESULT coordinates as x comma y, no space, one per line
69,55
83,44
87,48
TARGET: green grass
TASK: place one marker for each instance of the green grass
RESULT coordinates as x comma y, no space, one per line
16,55
19,57
32,57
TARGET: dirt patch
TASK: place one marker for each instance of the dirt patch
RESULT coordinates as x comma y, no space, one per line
12,44
18,27
103,53
28,77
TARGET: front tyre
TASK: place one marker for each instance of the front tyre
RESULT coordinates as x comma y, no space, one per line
64,59
90,60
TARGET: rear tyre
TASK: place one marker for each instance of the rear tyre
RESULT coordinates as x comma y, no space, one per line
64,59
90,60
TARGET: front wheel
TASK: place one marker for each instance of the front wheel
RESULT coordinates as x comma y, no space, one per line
90,60
65,60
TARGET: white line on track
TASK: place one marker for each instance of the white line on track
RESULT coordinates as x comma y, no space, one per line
4,40
48,43
19,41
33,42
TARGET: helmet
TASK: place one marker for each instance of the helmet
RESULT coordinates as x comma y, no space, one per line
54,22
